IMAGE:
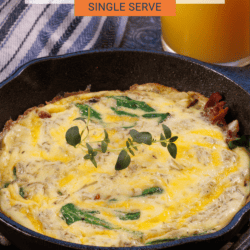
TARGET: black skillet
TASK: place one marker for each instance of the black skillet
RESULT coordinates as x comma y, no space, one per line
43,79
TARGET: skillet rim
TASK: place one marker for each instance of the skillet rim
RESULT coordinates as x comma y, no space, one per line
179,242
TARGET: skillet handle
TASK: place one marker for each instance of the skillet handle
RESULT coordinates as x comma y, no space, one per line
243,243
4,241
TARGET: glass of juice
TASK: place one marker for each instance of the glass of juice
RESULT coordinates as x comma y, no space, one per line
213,33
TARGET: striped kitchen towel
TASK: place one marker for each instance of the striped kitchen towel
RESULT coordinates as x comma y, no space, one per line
30,31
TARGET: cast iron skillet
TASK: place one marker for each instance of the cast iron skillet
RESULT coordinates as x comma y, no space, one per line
43,79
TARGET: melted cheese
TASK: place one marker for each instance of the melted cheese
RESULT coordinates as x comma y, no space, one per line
203,187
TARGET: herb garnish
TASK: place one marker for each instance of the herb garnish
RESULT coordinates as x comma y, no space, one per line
243,141
74,138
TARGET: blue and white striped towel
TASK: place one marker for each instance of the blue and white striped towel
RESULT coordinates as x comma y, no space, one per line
30,31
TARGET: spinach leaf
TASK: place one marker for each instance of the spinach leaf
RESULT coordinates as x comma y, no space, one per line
128,216
120,112
84,111
152,190
14,173
131,126
111,200
96,221
124,101
6,184
21,192
162,116
59,192
72,214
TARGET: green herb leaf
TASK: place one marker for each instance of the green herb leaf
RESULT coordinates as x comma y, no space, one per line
90,149
93,161
173,139
167,131
152,190
80,118
6,184
162,116
128,216
141,137
124,101
91,155
73,136
84,111
123,160
131,151
113,200
231,145
120,112
21,192
172,149
87,157
243,141
104,146
59,192
106,138
126,127
14,173
164,144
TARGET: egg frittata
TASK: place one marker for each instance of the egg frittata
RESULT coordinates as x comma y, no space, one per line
133,168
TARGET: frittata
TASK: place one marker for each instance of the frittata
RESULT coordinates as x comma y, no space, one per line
131,168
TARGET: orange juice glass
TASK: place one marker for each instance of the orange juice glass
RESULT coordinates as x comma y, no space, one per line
213,33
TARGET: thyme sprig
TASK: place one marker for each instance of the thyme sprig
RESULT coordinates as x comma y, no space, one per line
136,139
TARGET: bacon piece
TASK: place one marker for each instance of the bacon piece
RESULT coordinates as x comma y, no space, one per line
214,109
219,118
192,103
43,114
213,100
